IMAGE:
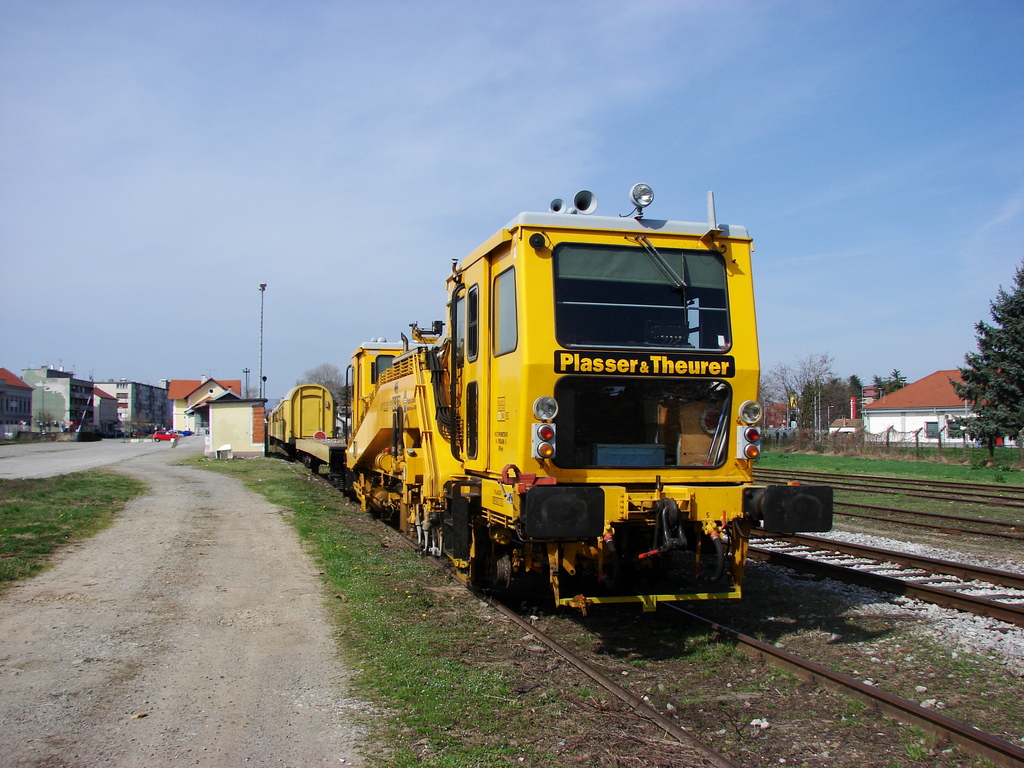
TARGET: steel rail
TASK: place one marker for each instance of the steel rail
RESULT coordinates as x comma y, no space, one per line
936,515
999,751
967,498
638,705
930,564
1002,488
1014,527
936,595
876,484
932,526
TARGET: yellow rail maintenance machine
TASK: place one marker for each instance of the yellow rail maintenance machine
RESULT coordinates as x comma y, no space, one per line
586,419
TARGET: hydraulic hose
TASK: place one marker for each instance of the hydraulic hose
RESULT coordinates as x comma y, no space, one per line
720,552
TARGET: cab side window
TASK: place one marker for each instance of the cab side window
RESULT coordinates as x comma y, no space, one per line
473,323
504,327
378,366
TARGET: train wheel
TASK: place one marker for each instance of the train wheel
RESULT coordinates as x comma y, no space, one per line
501,570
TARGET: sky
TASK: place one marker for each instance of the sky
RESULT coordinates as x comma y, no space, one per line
159,160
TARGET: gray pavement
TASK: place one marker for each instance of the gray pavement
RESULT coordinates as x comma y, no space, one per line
33,460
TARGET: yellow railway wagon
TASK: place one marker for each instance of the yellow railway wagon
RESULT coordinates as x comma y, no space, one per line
585,417
307,411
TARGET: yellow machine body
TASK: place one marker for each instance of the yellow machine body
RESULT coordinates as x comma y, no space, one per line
578,419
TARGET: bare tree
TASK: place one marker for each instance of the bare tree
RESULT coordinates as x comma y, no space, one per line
784,380
776,384
329,376
809,385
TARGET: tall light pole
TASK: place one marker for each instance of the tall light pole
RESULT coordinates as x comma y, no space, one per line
263,380
42,406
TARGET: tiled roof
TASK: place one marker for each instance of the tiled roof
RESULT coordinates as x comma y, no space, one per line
933,391
180,389
11,380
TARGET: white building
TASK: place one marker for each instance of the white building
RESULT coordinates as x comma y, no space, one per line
140,407
924,407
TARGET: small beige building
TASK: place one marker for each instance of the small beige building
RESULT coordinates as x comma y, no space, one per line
237,426
187,394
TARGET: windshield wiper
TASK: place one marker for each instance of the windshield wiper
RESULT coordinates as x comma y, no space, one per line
677,282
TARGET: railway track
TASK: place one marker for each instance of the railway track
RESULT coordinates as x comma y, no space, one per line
704,753
973,740
942,490
977,742
636,703
969,738
999,751
982,591
937,521
940,522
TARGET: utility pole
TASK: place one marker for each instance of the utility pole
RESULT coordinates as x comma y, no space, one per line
263,379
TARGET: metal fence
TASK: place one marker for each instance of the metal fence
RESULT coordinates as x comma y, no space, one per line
892,444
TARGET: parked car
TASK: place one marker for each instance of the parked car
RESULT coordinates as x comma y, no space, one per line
165,434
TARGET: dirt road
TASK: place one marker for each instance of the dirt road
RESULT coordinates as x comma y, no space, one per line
191,632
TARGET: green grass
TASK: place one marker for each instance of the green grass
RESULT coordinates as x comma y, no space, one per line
1001,473
39,516
419,657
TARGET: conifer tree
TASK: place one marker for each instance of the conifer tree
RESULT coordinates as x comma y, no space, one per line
993,379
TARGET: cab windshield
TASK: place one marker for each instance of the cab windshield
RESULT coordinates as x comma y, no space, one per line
641,422
622,297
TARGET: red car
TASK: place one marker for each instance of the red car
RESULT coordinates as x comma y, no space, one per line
165,435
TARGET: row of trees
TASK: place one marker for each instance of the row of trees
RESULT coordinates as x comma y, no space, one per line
815,394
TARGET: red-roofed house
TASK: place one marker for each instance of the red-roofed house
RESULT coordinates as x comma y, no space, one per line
15,405
927,404
186,394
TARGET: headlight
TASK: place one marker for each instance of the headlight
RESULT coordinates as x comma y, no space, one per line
641,195
545,408
750,412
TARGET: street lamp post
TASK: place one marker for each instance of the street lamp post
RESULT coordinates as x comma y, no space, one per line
42,407
263,290
45,417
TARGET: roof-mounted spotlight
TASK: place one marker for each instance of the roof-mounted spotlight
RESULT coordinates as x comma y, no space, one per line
641,195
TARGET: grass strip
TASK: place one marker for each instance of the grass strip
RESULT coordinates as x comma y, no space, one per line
419,654
39,516
929,470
